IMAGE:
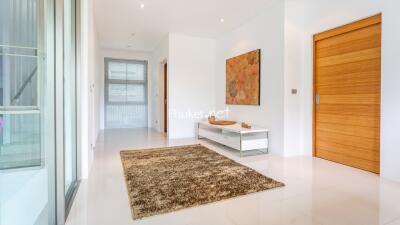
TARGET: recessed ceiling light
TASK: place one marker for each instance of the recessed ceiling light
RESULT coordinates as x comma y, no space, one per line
222,20
142,5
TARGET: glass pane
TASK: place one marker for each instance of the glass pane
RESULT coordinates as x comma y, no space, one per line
70,146
18,81
136,72
136,93
126,116
20,141
19,24
126,85
117,92
26,114
117,71
19,52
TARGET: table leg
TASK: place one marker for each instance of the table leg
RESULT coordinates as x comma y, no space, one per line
198,131
241,145
267,142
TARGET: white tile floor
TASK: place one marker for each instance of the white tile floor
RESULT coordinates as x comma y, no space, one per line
316,192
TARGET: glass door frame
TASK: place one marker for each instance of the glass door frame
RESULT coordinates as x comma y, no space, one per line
63,202
53,139
72,188
45,106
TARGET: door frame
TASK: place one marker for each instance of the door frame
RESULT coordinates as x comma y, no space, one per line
369,21
165,97
62,202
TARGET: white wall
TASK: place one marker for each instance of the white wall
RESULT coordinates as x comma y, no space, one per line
82,90
390,138
293,70
159,57
120,54
321,15
264,32
191,80
93,73
88,127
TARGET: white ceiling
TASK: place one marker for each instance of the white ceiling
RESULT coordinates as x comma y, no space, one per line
116,20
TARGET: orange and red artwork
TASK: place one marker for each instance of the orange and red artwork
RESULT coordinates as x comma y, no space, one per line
243,79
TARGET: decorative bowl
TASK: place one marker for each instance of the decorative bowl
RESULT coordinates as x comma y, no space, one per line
222,122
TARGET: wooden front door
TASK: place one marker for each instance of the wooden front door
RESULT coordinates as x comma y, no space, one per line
347,91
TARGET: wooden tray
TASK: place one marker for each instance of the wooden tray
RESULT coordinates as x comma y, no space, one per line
222,122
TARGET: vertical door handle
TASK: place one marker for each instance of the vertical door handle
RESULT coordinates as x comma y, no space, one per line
317,100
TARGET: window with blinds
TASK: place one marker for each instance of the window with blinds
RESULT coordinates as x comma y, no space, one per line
126,94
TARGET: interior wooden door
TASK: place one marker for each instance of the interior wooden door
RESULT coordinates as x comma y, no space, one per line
165,98
347,91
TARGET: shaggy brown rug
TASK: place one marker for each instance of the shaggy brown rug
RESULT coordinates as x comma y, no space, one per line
168,179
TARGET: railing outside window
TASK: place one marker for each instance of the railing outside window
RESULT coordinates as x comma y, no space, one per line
21,59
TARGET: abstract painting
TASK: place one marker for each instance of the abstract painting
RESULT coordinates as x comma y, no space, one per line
243,79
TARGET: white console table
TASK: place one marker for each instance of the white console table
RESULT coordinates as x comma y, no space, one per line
235,136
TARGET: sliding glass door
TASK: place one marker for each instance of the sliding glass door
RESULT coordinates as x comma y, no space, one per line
37,164
126,94
27,142
70,139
